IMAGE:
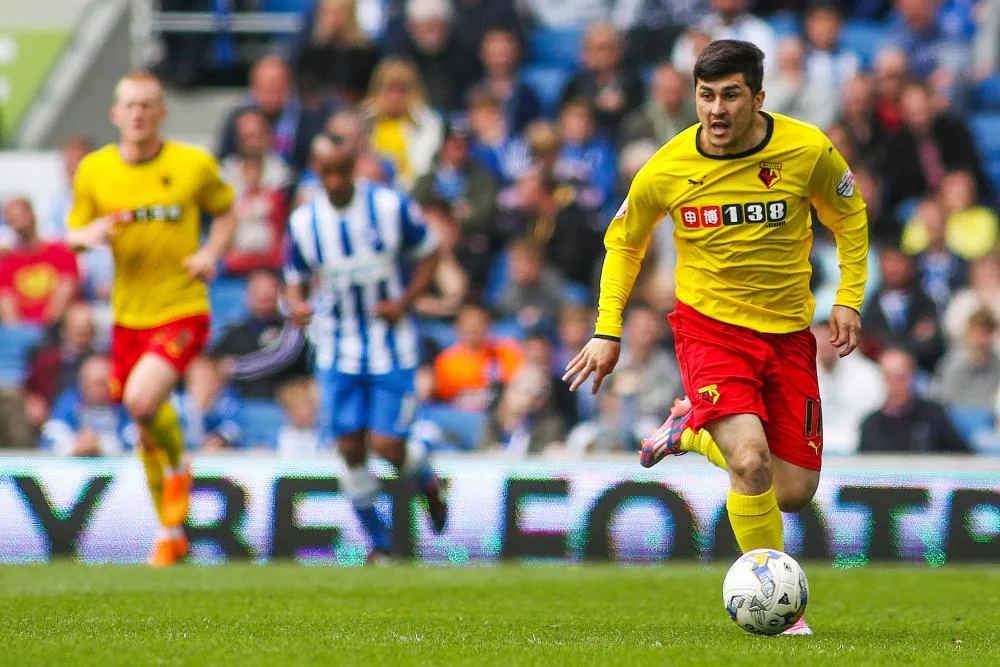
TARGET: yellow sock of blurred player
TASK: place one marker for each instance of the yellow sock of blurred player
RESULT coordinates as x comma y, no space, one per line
702,443
165,429
152,462
756,521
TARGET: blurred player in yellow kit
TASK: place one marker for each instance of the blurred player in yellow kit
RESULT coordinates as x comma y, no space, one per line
145,196
739,186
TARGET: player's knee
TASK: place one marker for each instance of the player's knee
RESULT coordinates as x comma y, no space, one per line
750,462
141,408
795,496
392,450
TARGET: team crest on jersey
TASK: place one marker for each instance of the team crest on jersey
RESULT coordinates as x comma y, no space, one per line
845,188
770,173
622,210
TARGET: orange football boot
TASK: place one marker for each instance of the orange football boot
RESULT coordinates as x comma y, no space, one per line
177,496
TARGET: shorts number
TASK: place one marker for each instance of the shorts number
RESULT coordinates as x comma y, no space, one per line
814,419
776,211
754,212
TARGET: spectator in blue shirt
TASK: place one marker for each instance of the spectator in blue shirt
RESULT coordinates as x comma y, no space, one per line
506,156
209,410
935,56
501,58
586,158
84,421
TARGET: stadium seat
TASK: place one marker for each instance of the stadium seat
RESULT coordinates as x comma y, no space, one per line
988,94
906,209
548,82
262,419
508,329
462,429
15,343
786,24
993,173
971,422
228,297
986,131
496,278
555,46
302,6
577,294
863,38
442,334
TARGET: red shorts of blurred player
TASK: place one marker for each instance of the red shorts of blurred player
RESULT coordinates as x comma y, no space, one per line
177,342
729,370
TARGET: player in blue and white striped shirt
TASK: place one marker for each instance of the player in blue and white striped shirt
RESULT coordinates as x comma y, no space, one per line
365,254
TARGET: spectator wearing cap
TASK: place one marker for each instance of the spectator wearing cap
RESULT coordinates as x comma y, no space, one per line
614,89
334,53
292,125
906,422
506,156
546,211
448,66
534,292
586,157
501,57
850,388
668,110
402,127
969,374
460,179
38,279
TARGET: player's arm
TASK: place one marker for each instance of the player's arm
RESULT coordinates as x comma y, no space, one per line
625,241
216,198
842,209
84,230
421,247
296,274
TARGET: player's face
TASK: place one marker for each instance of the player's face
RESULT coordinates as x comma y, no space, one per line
337,173
727,109
138,110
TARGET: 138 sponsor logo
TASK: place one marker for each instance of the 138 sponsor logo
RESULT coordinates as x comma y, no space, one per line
769,213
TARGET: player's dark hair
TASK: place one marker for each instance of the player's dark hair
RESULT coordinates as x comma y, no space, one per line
725,57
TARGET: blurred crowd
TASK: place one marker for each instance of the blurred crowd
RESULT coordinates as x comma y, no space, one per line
519,159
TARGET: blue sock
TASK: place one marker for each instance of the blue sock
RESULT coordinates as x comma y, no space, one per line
374,527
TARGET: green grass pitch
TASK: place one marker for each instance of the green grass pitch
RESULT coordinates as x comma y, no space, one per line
71,614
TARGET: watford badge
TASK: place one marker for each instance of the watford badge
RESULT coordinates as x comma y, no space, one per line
769,174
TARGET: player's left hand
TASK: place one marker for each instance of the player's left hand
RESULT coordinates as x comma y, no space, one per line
845,329
390,311
201,265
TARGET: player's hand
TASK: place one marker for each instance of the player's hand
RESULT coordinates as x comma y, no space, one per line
301,314
598,358
390,311
845,329
97,233
201,265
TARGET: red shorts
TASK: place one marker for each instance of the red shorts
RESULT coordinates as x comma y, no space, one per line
729,370
179,342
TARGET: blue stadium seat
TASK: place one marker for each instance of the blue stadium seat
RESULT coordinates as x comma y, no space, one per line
548,82
906,209
228,299
262,419
15,343
863,38
462,429
786,24
496,278
993,172
287,5
508,329
577,294
442,334
971,422
555,46
986,130
988,94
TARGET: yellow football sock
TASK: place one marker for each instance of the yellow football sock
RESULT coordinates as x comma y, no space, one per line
756,521
702,443
165,430
152,462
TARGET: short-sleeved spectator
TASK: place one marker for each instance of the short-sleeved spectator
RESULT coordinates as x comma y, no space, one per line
462,180
500,54
84,421
264,350
333,53
54,366
928,146
614,90
469,373
38,279
292,125
402,127
906,422
969,374
850,388
668,110
901,313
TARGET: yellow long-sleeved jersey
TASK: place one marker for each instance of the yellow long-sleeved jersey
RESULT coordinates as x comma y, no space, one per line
742,228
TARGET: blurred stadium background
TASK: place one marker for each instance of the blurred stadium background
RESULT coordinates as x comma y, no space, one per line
525,121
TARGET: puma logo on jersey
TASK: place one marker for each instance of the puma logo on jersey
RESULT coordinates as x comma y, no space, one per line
694,182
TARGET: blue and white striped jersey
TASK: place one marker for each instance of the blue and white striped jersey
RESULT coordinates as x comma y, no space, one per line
354,258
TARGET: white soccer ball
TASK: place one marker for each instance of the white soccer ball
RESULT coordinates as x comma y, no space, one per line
765,592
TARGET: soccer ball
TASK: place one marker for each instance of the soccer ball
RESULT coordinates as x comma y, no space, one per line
765,592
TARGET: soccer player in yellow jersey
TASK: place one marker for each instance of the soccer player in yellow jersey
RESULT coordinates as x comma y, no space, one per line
145,196
738,186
